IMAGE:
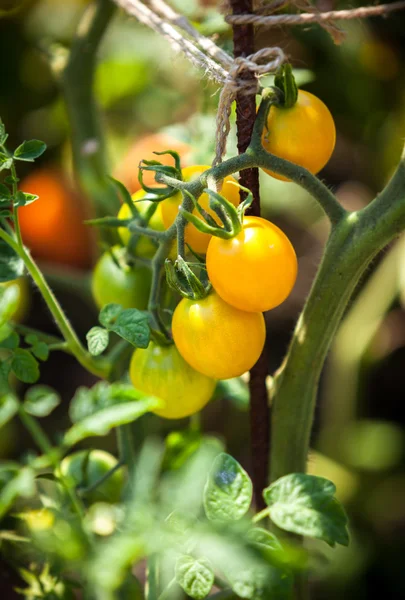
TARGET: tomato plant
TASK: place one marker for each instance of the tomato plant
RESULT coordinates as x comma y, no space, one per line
114,281
145,246
216,338
86,467
303,134
255,270
162,372
196,239
23,297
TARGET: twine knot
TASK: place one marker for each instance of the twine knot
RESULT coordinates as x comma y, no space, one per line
242,78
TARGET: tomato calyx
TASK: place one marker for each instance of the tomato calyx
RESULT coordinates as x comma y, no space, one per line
161,171
230,216
284,81
181,278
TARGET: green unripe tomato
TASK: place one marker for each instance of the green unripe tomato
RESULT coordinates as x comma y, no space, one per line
88,466
125,285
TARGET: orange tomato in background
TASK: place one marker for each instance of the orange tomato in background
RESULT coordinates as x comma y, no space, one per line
52,227
127,171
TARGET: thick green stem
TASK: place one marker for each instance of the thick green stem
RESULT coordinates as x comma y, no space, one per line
88,144
354,242
97,366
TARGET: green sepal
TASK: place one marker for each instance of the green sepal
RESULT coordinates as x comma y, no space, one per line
126,196
157,167
183,280
285,81
108,222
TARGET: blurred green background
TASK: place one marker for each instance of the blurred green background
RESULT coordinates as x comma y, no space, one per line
144,89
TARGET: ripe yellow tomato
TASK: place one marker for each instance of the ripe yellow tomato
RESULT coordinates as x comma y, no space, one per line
304,134
145,247
198,241
216,338
162,372
255,270
125,285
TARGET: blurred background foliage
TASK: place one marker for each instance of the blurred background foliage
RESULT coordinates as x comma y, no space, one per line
144,90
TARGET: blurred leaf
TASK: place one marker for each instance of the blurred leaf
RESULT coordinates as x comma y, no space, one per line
97,411
24,366
180,445
97,340
133,326
3,134
195,576
11,265
40,400
305,504
116,80
228,491
40,350
5,162
5,369
5,193
23,484
29,151
236,389
260,582
11,341
8,408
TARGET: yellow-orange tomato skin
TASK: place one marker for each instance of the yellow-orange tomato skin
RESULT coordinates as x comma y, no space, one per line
196,239
304,134
162,372
216,338
255,270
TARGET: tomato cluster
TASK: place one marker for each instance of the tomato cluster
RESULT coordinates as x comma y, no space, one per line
252,269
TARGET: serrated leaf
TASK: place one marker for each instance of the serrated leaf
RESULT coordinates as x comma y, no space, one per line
8,408
195,576
11,265
109,313
30,150
133,326
40,350
305,504
228,491
24,366
24,198
101,422
40,400
5,162
97,340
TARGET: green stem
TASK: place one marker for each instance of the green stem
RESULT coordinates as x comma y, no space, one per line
126,449
99,367
96,484
88,143
353,243
152,587
37,433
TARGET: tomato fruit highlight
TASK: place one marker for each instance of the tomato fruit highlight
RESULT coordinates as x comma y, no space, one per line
255,270
216,338
304,134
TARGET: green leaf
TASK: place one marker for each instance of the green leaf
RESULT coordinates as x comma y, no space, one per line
40,350
260,582
40,400
133,326
101,422
5,162
305,504
11,265
5,369
8,408
236,389
25,366
97,340
30,150
24,198
5,193
11,342
9,298
109,313
195,576
3,134
228,491
23,484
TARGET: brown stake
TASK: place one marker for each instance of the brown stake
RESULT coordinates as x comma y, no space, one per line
243,38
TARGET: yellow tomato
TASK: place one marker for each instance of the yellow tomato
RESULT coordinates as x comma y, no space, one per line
145,247
196,239
304,134
23,297
216,338
255,270
162,372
